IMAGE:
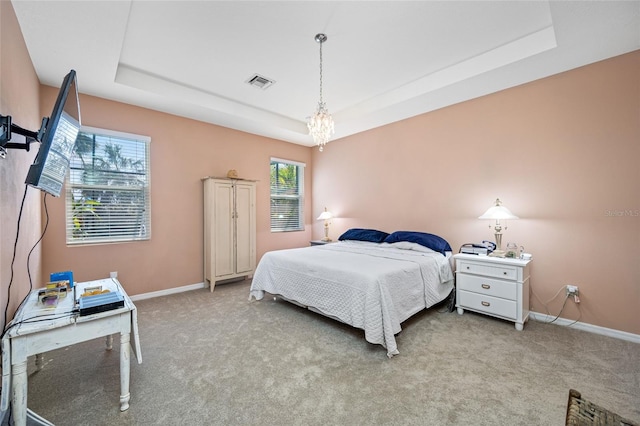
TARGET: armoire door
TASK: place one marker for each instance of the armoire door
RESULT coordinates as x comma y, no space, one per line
245,228
223,247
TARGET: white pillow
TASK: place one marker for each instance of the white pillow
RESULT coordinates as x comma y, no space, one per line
406,245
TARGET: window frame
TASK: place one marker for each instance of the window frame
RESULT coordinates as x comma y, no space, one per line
299,196
144,188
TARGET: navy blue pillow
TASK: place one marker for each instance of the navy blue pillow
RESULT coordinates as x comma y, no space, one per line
360,234
431,241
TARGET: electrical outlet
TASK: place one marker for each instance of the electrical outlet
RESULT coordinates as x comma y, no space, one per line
572,290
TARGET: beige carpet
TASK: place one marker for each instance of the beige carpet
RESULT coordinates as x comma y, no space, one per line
218,359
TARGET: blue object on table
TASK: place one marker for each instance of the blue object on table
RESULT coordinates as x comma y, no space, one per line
100,303
62,276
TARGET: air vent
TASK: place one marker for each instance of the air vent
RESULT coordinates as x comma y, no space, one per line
259,81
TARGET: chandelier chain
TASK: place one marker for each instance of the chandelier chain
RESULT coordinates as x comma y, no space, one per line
320,71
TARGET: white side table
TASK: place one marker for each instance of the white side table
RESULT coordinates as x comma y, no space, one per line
493,286
35,330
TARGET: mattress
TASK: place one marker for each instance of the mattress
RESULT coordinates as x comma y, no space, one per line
371,286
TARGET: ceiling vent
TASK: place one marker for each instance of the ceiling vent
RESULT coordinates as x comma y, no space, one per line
259,81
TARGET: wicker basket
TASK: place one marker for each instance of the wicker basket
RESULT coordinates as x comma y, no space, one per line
581,412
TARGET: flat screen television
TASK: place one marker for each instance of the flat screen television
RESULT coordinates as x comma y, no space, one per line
57,138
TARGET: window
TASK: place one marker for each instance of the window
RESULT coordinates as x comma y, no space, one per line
107,191
287,190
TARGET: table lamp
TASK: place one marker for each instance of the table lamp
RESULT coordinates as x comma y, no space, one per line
498,212
326,216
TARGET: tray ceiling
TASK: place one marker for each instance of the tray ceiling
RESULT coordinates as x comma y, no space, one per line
384,61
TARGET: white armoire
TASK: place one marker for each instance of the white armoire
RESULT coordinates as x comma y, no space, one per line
229,229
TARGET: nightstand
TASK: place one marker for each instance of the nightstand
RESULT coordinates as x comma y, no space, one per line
319,242
493,286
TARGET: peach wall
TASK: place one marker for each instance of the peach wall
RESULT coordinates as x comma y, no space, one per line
19,91
562,153
182,152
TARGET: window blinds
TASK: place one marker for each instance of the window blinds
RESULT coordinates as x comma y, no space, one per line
287,187
107,191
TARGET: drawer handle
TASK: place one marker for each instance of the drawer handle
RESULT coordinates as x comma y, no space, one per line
486,286
486,304
468,267
504,273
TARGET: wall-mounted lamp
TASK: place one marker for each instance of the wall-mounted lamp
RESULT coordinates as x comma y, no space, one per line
498,212
326,216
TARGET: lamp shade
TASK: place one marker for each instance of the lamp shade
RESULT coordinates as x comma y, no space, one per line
497,212
325,215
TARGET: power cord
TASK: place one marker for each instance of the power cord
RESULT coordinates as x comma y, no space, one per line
15,249
46,224
564,303
40,318
13,259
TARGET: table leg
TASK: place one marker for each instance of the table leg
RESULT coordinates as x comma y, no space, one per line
39,361
110,342
124,371
19,387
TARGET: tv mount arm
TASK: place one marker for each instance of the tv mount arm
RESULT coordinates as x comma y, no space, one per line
7,128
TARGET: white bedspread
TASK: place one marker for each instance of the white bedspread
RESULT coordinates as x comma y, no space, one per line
370,286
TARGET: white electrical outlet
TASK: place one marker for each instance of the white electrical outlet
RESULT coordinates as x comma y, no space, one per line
572,290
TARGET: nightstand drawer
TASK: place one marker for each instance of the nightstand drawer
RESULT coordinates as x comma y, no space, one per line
491,305
488,286
497,271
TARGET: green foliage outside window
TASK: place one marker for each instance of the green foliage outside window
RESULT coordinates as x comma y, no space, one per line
286,196
107,192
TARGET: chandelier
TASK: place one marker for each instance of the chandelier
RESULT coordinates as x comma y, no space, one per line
320,124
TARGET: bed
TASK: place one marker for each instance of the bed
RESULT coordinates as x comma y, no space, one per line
370,283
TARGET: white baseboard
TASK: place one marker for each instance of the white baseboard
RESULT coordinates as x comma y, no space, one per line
623,335
168,291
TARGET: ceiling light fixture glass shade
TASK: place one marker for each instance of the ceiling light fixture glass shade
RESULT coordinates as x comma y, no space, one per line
320,124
